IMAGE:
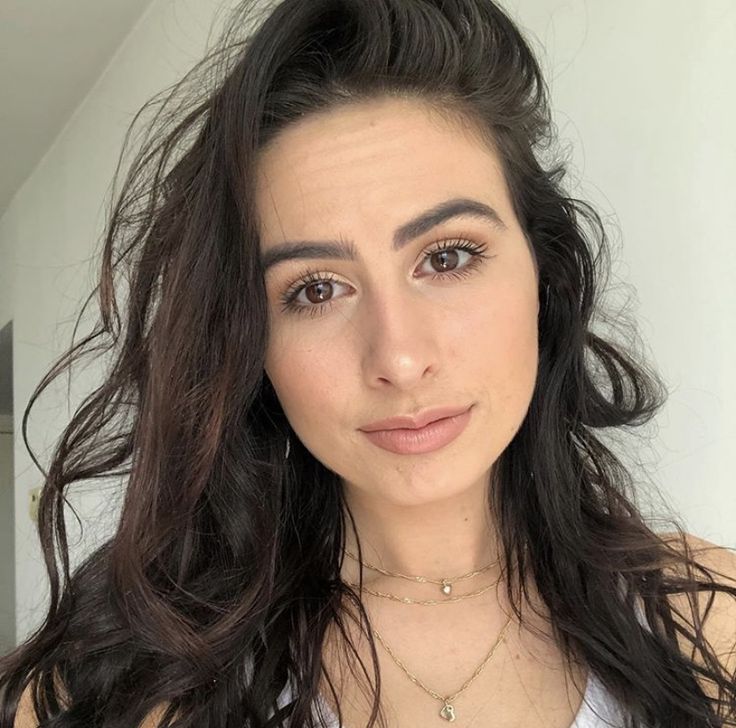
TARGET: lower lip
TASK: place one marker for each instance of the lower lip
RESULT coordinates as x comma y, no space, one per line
426,439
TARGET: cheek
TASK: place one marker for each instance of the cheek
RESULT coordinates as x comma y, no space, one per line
305,383
497,348
313,398
499,326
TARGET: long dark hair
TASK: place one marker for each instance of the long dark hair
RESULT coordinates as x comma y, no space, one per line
222,576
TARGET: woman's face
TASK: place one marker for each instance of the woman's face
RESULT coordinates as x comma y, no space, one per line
402,319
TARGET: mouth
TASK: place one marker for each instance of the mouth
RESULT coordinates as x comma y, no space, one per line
415,421
432,436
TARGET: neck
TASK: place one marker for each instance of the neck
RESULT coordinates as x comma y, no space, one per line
437,540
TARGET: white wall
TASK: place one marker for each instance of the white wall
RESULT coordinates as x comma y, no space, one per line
48,236
648,101
644,92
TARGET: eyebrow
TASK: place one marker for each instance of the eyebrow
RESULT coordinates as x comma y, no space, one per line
345,249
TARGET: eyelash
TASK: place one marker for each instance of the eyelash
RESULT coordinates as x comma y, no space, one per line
310,277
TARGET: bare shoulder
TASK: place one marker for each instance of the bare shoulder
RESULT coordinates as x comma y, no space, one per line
719,626
26,717
153,719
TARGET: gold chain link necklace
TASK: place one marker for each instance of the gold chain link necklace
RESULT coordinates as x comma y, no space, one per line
424,602
445,583
448,711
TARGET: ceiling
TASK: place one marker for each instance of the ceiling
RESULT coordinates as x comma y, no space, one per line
51,54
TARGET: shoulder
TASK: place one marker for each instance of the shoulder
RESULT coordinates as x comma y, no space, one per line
26,717
719,625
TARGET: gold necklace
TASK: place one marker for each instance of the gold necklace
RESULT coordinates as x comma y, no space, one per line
448,709
446,583
427,602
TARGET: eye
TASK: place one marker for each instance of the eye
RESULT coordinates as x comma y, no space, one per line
312,293
448,255
316,288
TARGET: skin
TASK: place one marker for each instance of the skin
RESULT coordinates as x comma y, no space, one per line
394,340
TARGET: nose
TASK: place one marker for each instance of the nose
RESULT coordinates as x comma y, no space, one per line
401,340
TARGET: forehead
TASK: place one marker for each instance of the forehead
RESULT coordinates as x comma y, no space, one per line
367,164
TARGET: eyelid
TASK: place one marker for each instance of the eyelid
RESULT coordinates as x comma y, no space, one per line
315,275
457,241
312,275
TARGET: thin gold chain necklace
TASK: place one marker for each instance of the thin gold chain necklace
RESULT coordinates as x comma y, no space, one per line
425,602
448,711
446,583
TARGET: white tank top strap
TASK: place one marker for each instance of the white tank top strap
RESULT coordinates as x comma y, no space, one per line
599,708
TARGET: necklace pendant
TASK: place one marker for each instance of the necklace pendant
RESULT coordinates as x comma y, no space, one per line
448,712
446,588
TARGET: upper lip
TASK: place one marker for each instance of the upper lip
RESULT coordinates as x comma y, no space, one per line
415,421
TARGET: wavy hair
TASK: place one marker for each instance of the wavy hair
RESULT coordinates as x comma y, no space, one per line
222,576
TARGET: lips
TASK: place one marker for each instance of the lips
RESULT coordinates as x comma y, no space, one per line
422,440
416,421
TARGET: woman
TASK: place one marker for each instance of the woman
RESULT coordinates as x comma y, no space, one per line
352,400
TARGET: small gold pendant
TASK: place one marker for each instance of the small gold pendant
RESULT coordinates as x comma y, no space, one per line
446,587
448,712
